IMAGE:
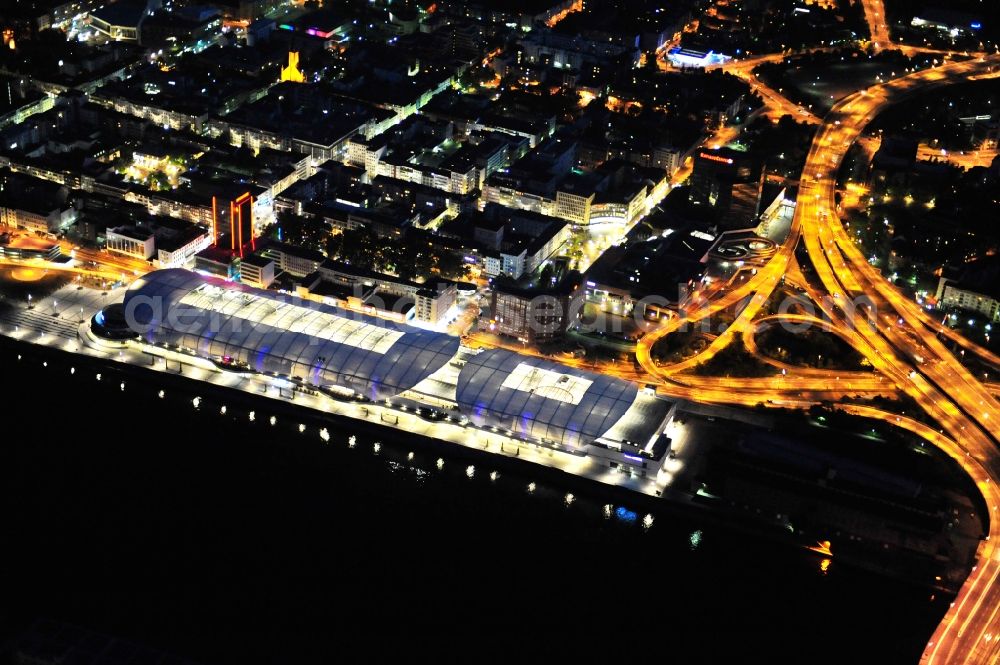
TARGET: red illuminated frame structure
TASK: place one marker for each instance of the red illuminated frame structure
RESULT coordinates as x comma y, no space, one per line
235,223
215,223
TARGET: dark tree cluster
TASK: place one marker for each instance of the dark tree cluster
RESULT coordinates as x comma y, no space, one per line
734,361
302,230
408,258
783,146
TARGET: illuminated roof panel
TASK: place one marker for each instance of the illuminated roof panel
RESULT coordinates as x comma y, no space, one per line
541,399
294,317
281,334
558,386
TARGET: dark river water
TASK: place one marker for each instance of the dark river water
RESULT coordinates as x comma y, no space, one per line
227,541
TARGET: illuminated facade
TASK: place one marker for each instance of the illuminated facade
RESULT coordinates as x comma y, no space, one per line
983,300
131,242
684,58
233,224
572,206
292,72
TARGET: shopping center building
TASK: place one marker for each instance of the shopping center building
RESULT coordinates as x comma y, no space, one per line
382,364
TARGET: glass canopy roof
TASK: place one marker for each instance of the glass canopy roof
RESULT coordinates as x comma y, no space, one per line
281,334
541,399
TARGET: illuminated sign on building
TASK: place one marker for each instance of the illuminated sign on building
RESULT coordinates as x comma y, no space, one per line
715,158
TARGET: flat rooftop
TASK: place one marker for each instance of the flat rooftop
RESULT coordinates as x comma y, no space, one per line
30,242
257,261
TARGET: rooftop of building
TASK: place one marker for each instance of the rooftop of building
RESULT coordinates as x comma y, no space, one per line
268,244
190,15
324,288
950,17
453,105
132,232
68,63
187,89
362,272
215,254
15,94
982,276
547,401
656,266
29,202
124,13
314,114
521,230
32,243
256,260
333,266
323,21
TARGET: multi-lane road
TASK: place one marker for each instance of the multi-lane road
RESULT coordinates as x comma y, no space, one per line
878,26
776,105
909,349
966,159
893,332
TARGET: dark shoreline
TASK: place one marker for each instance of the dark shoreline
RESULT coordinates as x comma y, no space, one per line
585,514
241,402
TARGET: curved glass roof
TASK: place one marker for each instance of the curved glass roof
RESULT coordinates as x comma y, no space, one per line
541,399
271,332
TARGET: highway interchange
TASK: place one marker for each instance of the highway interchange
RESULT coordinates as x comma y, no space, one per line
903,343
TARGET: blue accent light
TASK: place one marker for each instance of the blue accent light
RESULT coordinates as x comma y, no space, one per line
261,355
625,515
